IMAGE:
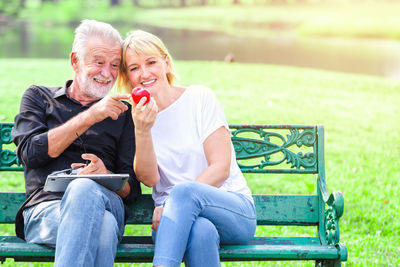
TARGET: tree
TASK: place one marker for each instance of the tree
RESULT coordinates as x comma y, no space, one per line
9,8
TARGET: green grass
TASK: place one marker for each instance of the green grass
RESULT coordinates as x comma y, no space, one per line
360,115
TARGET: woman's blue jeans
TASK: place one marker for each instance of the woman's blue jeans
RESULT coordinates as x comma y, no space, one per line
85,226
196,219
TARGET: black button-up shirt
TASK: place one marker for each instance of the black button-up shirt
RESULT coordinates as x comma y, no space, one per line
45,108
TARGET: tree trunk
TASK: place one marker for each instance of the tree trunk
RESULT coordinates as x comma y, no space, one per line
114,2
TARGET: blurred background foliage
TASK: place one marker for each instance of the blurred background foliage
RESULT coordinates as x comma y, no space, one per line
306,17
358,36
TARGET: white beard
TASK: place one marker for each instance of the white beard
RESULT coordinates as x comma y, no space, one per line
90,88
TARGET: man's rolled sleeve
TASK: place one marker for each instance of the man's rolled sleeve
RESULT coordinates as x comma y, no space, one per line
33,151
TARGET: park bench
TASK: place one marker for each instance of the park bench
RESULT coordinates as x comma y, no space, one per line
260,149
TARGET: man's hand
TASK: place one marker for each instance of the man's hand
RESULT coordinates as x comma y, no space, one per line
109,106
125,191
156,217
96,165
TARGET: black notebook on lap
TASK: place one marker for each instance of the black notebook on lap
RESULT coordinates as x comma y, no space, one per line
58,182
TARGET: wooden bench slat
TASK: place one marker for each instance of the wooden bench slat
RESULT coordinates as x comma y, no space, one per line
295,241
271,209
11,245
278,252
9,205
286,209
141,249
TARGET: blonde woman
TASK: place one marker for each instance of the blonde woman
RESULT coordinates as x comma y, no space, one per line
184,151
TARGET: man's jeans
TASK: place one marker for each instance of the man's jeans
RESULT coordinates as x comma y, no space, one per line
196,219
85,226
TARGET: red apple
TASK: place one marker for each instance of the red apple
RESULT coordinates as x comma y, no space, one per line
138,93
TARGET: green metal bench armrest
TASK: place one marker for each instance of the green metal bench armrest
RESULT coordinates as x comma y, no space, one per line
335,206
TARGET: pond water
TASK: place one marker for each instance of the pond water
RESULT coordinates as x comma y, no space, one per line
371,57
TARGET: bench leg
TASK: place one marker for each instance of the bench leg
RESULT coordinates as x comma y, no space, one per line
327,263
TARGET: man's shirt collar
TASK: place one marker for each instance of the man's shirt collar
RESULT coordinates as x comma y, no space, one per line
63,90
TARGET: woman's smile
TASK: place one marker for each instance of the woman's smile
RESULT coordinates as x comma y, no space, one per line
148,83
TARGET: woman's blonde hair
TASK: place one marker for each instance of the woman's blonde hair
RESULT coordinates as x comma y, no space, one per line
143,43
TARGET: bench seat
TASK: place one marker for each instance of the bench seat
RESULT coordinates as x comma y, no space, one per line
141,249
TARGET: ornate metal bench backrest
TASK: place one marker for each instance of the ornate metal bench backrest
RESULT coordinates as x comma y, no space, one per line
259,148
8,158
276,148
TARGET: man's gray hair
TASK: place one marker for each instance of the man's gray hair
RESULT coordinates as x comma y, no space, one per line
93,28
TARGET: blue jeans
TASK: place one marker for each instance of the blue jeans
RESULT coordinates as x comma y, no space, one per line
196,219
85,226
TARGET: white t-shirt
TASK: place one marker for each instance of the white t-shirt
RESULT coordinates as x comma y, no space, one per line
178,135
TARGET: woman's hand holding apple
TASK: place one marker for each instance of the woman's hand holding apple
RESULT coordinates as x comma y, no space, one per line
144,115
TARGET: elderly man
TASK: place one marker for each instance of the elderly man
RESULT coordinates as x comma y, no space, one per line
62,127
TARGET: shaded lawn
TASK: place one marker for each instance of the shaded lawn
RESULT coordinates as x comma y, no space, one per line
362,140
